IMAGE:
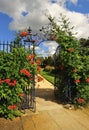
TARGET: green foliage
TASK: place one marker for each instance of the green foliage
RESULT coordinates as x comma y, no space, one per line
48,61
15,74
72,61
47,75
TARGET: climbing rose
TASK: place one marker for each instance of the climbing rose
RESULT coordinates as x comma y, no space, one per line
31,56
71,49
14,106
80,100
11,107
7,80
25,72
38,69
38,61
12,83
32,62
23,34
77,81
87,80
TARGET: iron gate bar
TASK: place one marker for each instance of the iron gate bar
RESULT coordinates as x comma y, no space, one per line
67,80
29,100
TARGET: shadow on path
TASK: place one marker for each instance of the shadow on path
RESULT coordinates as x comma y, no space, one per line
45,93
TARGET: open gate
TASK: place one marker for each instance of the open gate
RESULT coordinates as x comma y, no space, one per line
63,94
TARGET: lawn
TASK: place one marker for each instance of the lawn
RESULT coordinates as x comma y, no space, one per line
48,75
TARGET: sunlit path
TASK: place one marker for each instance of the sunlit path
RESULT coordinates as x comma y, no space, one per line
50,115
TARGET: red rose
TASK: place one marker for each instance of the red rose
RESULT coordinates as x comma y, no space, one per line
32,62
14,106
25,72
38,69
80,100
7,80
31,56
12,83
23,34
10,107
87,80
77,81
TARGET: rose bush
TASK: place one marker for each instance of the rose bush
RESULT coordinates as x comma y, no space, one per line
16,73
72,63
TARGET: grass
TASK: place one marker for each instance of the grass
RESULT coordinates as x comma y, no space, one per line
48,76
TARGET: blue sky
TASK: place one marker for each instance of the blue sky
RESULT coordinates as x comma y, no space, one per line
5,33
20,15
82,6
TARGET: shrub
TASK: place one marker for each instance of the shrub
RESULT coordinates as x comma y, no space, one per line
49,68
72,63
16,71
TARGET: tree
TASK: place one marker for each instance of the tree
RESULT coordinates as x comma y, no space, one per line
48,61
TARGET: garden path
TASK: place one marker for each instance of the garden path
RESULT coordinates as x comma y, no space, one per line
50,114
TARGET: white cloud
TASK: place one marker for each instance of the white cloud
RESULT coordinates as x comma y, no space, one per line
73,1
13,9
80,23
52,45
35,14
46,48
35,17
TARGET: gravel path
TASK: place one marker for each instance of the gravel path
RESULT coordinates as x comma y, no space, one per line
50,115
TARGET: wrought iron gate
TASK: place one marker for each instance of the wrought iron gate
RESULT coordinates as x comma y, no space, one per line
63,95
29,100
